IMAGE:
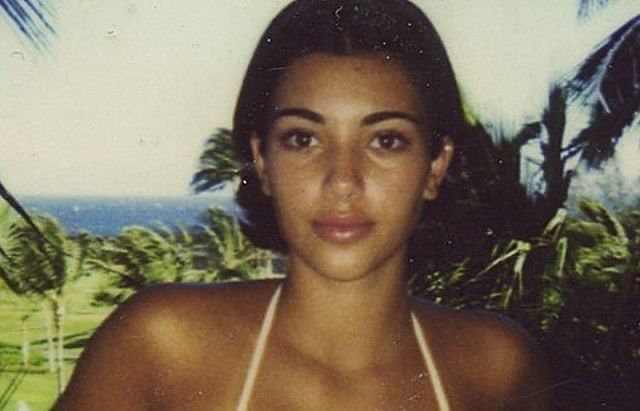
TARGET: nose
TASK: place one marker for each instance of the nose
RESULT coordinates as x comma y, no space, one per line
344,176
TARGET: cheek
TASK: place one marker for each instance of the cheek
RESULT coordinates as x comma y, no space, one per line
404,185
291,189
293,200
399,202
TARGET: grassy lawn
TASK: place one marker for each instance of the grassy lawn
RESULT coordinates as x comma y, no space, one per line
38,391
25,320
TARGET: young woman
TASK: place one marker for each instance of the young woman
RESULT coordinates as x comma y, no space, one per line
348,119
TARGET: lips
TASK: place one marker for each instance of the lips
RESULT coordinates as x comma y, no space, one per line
342,230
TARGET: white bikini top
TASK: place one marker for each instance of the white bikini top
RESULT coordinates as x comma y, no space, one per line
267,323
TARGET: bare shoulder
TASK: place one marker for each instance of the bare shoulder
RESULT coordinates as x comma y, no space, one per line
184,312
490,361
161,335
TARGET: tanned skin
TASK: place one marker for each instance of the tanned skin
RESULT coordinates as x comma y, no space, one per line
188,348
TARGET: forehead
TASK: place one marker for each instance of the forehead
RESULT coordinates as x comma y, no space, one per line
368,81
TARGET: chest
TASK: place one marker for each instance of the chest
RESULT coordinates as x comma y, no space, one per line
291,380
213,379
285,385
293,383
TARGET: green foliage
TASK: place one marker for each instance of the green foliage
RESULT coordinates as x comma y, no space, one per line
7,391
218,162
576,287
37,391
39,260
233,255
600,251
140,257
11,357
32,267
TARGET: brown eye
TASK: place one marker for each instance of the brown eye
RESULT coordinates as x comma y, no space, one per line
390,141
298,139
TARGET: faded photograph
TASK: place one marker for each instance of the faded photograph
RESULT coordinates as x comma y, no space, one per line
319,205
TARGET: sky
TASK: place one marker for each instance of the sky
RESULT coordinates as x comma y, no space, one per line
130,89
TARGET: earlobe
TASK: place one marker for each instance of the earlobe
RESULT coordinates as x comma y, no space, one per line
438,169
259,165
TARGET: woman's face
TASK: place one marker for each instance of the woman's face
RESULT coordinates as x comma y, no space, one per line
346,161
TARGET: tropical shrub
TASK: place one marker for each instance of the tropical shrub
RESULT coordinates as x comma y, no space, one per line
576,288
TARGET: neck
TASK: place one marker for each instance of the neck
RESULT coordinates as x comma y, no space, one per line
346,324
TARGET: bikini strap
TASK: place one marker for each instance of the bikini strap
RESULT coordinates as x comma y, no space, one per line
436,382
267,323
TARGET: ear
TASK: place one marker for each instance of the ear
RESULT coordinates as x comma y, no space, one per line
259,165
438,169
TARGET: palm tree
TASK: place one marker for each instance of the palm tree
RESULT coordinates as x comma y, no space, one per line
233,255
219,163
607,86
554,178
140,257
32,268
18,208
32,19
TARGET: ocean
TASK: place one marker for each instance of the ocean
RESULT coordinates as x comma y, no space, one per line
107,216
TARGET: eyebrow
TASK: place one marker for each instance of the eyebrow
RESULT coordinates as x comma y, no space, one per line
295,112
390,115
368,120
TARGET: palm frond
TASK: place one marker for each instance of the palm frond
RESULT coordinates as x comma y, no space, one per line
600,215
218,163
32,18
33,268
600,246
11,200
588,7
141,256
608,83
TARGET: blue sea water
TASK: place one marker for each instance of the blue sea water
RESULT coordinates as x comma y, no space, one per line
107,216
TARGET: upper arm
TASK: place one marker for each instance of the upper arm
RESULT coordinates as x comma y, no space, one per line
112,371
488,362
519,372
532,385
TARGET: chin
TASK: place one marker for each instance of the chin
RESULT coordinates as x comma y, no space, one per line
349,264
342,273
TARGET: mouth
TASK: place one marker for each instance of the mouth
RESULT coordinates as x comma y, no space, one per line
342,230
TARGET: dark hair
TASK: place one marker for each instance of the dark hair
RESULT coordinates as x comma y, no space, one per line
396,29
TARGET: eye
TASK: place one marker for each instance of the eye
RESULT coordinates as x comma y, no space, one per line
298,139
390,140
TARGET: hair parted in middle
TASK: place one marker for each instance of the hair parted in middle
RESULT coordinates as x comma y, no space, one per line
396,30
